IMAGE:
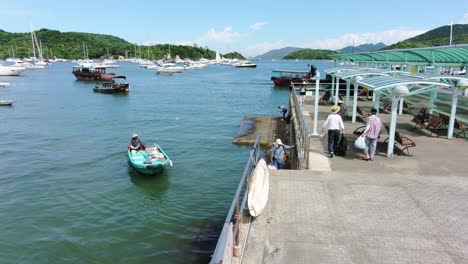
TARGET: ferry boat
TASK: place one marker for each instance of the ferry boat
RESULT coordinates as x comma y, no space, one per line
284,77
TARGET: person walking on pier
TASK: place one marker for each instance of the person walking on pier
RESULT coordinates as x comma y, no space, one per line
302,92
277,153
334,124
284,110
372,131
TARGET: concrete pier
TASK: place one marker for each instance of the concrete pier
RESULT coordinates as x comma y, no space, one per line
268,128
405,209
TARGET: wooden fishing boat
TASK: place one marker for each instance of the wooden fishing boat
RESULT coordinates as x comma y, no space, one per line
113,86
149,161
6,102
91,73
284,77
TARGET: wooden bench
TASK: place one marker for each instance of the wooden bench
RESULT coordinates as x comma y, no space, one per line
435,124
405,142
358,131
386,104
420,119
457,125
363,113
462,127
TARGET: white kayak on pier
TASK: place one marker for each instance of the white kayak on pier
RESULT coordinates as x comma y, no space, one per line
259,189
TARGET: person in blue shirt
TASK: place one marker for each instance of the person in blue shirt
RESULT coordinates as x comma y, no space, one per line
284,110
277,153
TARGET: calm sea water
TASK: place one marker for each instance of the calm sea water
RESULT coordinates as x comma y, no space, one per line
67,192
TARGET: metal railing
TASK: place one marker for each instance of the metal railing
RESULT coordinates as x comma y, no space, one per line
229,238
301,131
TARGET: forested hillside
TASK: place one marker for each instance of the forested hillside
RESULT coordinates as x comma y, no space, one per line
69,45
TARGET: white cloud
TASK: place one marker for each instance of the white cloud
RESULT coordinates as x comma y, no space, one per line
257,26
23,13
388,37
227,35
464,20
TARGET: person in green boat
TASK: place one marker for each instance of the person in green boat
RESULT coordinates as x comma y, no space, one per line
136,144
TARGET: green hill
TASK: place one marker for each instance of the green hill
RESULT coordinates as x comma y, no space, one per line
277,53
69,45
436,37
362,48
311,54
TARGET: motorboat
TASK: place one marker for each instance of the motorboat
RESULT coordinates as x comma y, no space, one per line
4,84
11,71
113,87
6,102
245,64
169,68
149,161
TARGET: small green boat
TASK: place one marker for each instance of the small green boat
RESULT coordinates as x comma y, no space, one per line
149,161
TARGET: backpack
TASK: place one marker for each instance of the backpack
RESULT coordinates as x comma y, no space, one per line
342,146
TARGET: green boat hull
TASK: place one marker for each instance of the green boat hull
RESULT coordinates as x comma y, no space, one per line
139,161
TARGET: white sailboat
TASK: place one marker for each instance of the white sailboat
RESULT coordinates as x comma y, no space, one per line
11,71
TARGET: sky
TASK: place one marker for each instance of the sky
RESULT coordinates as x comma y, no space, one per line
249,27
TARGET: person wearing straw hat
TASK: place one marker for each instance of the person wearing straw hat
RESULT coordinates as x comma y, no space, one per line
334,124
277,153
136,144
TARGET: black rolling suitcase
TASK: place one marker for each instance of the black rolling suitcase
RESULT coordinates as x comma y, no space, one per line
342,146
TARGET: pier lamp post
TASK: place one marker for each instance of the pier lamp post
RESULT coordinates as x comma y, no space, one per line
317,83
337,87
399,92
356,79
461,85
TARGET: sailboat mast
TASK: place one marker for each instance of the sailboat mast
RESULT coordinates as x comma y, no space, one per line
32,40
39,49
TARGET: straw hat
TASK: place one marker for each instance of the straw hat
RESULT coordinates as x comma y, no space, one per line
134,135
335,109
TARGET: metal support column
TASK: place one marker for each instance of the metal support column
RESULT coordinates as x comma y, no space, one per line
348,88
337,90
432,100
316,101
453,111
355,102
393,119
332,87
377,101
400,110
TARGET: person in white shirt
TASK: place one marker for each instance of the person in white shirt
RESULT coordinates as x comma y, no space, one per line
334,123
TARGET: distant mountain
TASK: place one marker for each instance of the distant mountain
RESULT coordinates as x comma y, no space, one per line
363,48
311,54
277,53
436,37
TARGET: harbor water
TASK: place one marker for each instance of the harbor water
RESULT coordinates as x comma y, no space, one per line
67,192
